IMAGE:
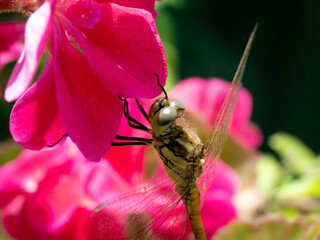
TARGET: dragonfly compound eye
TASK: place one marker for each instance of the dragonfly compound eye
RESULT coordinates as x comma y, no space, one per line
179,106
167,116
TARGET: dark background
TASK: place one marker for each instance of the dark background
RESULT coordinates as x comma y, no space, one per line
283,72
207,39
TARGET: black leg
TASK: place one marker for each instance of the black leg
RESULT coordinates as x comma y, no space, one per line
142,109
63,136
136,141
131,120
164,91
133,138
119,144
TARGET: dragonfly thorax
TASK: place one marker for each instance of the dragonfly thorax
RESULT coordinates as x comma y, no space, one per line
179,148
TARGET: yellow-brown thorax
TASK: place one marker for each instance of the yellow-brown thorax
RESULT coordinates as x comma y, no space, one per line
182,154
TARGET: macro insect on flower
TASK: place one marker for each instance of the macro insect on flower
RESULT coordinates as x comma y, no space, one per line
189,164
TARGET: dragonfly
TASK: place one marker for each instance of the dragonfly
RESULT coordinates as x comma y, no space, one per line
160,209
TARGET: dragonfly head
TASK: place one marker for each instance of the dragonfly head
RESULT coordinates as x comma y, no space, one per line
163,114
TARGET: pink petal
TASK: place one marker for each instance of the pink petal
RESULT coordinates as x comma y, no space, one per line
225,178
143,4
10,33
24,174
36,33
91,114
16,225
54,205
251,136
218,202
10,36
192,93
73,230
11,54
104,182
132,157
202,96
123,49
35,120
205,98
77,230
217,211
49,208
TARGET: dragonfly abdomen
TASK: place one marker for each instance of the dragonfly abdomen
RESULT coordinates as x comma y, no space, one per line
182,155
192,204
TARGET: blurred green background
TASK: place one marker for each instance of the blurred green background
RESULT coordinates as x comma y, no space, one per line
206,38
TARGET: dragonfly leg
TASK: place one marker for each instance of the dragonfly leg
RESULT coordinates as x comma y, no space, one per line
63,136
119,137
164,91
135,141
131,121
119,144
144,113
142,109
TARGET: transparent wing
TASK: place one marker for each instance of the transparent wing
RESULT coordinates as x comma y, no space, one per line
218,134
154,211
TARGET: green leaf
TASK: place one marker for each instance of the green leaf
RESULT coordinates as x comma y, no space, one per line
296,156
9,150
167,31
177,4
269,174
3,234
235,230
172,56
306,186
268,227
241,159
313,232
290,213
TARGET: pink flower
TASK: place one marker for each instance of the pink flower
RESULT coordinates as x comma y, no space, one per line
204,99
119,52
218,208
143,4
48,195
11,45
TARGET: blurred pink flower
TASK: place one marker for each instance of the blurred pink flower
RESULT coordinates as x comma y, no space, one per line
98,51
50,194
11,45
204,98
218,208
